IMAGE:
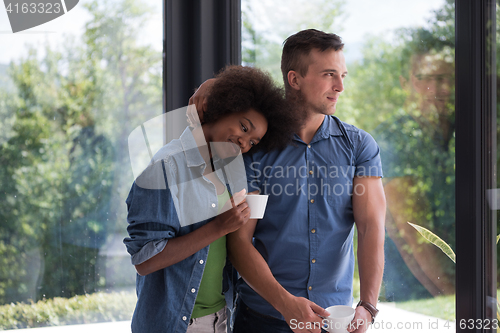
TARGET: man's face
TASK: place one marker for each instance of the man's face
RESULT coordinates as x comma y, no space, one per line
431,80
320,88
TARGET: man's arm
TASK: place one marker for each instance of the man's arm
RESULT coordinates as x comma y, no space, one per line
199,99
255,271
369,206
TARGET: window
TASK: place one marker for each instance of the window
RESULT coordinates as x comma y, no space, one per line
71,91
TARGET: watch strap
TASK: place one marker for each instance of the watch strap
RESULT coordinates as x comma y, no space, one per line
370,308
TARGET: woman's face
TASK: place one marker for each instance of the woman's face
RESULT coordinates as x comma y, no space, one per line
236,131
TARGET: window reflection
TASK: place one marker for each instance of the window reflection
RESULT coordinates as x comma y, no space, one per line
418,151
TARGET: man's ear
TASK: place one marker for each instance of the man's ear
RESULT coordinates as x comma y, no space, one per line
293,80
403,82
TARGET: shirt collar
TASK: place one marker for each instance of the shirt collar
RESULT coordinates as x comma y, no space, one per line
329,127
190,149
192,153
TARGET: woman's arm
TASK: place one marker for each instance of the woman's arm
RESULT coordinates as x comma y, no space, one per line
179,248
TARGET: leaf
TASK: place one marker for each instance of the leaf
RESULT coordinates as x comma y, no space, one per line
434,239
498,237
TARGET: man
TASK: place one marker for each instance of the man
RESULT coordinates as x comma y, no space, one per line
301,258
420,137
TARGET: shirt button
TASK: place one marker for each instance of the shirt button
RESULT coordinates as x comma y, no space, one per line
313,261
313,231
312,200
311,172
308,146
184,318
310,288
213,205
193,290
201,262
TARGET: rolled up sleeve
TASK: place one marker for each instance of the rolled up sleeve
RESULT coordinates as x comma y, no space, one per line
152,221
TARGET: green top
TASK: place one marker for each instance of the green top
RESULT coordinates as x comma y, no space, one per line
210,298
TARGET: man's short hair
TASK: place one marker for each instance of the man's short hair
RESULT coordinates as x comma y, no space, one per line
420,42
297,47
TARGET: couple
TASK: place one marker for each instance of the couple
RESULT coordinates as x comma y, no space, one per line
299,258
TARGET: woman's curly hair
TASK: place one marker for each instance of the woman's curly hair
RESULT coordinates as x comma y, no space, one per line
240,88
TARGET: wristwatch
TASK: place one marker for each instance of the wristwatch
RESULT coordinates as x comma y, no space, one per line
370,308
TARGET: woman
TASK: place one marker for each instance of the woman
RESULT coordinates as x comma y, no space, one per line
177,230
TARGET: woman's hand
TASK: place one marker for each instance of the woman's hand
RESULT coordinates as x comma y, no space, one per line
234,218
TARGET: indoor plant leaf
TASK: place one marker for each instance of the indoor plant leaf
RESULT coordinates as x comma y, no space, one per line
434,239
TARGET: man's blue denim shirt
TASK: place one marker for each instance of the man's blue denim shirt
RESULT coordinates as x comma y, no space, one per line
165,298
306,235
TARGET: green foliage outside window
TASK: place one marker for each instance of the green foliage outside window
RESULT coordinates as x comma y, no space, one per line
82,309
66,114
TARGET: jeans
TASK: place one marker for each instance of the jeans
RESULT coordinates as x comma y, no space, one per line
250,321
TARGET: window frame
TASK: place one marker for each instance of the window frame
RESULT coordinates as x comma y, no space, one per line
200,38
475,117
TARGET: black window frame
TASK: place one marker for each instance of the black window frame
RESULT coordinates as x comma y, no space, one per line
200,38
475,117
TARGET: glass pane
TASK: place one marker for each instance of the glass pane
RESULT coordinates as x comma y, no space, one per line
401,89
71,91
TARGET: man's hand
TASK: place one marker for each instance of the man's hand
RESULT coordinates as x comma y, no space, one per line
198,103
303,316
361,321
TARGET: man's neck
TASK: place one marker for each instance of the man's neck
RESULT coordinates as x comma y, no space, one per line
311,126
431,119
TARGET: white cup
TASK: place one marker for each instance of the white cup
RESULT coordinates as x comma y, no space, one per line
257,204
339,319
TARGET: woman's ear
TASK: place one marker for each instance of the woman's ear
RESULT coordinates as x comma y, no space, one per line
293,80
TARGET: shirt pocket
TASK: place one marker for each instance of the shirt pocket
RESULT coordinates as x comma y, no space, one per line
339,185
196,201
